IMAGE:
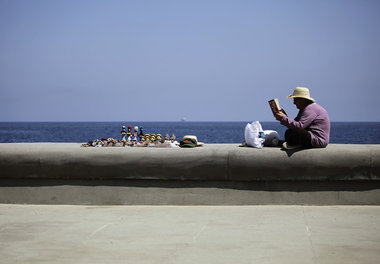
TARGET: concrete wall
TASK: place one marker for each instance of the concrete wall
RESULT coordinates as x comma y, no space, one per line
213,174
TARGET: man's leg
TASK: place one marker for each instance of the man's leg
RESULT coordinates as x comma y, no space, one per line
298,136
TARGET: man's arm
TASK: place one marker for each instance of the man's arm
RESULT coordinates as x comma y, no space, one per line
305,118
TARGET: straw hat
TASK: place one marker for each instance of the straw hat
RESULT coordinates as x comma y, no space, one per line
301,92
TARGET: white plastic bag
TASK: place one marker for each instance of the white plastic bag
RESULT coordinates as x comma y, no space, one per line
254,135
271,138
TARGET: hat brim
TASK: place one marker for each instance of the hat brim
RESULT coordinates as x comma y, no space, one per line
187,145
300,96
191,145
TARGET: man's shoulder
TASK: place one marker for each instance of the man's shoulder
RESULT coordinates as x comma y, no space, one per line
315,106
318,109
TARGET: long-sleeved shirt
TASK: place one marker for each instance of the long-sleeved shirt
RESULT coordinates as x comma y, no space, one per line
315,119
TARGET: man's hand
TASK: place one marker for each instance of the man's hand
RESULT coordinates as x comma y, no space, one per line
279,115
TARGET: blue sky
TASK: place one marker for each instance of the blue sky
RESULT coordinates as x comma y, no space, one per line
205,60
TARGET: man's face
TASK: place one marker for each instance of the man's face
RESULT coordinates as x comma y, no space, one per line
300,103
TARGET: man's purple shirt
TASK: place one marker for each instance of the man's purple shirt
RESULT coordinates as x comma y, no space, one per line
315,120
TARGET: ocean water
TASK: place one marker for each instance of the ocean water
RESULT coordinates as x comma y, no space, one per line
207,132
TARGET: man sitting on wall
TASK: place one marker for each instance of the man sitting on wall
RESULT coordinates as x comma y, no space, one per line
311,127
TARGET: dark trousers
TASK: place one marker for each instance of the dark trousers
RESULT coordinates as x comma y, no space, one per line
298,136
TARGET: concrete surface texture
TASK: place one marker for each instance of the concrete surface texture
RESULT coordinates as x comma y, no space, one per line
218,162
204,234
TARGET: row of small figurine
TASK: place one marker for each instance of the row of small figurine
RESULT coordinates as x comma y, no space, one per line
104,142
111,142
153,140
129,136
140,136
146,140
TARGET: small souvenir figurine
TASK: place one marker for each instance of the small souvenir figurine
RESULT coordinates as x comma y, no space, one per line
130,129
159,138
123,134
172,138
134,138
167,138
141,134
129,137
145,141
151,140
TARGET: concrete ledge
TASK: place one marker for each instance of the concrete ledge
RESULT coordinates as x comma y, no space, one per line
220,162
65,173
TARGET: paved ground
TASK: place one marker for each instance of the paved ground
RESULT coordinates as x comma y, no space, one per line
189,234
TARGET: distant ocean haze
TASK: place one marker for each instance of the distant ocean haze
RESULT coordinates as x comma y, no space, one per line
207,132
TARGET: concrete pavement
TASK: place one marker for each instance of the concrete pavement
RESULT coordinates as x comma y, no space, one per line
189,234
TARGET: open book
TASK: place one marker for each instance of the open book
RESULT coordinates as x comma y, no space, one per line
275,106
